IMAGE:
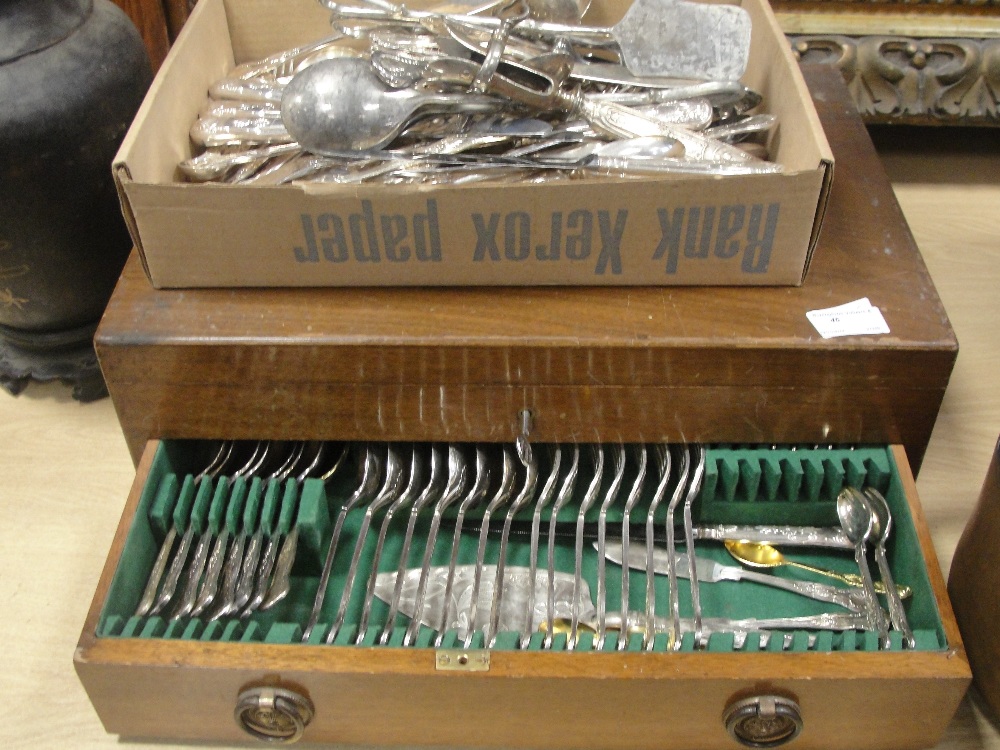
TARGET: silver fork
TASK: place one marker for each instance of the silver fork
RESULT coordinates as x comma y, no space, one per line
522,499
180,558
408,495
501,496
148,597
435,483
371,474
457,479
564,495
391,487
589,496
602,530
189,598
476,494
663,461
216,561
675,611
281,584
630,503
544,498
251,559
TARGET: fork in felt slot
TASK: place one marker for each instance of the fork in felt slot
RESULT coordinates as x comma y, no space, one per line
228,545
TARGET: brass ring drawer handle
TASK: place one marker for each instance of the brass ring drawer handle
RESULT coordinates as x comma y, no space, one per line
763,720
273,714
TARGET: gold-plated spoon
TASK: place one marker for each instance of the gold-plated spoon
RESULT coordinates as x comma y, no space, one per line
761,555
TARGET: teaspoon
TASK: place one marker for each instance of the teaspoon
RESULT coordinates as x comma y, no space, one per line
881,529
858,520
762,555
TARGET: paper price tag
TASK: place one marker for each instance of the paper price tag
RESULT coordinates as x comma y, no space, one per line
858,318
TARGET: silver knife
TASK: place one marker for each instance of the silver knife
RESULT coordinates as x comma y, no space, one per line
710,571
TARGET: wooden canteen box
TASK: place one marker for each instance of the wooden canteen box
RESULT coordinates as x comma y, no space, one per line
738,367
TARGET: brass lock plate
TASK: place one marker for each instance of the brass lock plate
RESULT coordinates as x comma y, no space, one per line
462,660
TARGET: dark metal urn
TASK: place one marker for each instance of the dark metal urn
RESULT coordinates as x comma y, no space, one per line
72,76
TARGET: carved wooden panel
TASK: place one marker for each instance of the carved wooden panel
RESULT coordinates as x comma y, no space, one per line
905,61
906,80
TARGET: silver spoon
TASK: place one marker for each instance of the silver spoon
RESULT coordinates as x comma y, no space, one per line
288,62
857,520
341,105
881,529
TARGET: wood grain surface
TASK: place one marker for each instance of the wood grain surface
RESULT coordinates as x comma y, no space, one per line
611,363
150,19
65,470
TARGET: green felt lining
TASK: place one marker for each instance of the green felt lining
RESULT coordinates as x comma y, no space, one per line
741,485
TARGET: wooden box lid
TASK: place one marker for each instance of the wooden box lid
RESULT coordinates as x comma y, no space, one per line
699,364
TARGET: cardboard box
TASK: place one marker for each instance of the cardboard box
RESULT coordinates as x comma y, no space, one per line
745,230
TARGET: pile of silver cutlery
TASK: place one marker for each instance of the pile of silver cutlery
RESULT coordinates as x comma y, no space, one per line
499,92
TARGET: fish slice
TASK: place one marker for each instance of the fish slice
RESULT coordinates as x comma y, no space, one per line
676,38
667,38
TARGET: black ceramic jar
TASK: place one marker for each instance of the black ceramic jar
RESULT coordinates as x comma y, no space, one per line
72,76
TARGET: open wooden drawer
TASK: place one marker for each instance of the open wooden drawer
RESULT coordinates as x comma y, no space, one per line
155,677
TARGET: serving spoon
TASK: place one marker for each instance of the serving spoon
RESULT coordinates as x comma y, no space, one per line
341,105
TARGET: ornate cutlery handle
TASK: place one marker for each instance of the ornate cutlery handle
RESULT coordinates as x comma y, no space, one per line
853,579
848,599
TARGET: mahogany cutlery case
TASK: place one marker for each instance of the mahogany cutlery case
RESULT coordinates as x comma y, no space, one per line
721,366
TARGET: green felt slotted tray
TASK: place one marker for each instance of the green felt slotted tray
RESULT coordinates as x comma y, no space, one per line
742,485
